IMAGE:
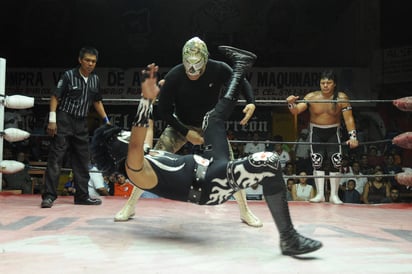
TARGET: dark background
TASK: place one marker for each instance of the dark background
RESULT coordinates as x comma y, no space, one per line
130,33
283,33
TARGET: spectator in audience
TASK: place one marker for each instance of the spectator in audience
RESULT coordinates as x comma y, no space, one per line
302,191
350,194
269,146
20,180
346,167
364,166
397,158
106,183
13,119
69,187
360,181
237,149
289,185
374,158
112,181
288,170
254,146
391,168
302,152
284,156
377,190
122,187
96,183
394,195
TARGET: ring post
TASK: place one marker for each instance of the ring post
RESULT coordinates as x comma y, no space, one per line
2,97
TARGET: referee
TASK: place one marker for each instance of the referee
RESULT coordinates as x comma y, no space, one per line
76,91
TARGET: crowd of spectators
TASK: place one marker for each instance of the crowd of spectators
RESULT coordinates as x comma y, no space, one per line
358,168
358,171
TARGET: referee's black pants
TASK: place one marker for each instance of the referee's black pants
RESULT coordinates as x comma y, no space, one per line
73,138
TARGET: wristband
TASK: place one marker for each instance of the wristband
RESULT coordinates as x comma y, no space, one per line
352,134
143,113
106,120
52,117
290,106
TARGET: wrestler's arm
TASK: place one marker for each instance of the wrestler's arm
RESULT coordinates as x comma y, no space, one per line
250,107
99,107
349,120
138,169
299,107
52,125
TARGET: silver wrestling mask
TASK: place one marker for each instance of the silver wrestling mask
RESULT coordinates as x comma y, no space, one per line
195,56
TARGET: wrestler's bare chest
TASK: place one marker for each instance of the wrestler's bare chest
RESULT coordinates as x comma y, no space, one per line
325,109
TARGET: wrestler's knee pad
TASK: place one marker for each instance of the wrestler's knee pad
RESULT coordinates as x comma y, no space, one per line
336,160
317,160
255,168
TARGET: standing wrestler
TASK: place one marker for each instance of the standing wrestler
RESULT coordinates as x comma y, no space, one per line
190,90
76,91
325,121
192,178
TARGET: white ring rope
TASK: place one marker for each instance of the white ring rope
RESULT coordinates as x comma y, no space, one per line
258,101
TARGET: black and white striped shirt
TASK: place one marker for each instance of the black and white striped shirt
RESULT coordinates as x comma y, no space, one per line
75,95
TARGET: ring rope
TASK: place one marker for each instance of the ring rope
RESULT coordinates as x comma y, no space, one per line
351,176
312,143
259,101
280,142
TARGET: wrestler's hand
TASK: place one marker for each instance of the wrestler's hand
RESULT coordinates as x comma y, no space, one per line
352,143
52,129
248,111
150,89
292,99
194,137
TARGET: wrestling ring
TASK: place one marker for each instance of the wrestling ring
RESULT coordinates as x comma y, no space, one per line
69,239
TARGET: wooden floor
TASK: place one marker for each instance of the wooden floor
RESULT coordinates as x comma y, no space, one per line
174,237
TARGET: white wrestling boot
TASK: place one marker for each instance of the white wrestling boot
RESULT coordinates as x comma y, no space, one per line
245,214
320,187
334,188
128,209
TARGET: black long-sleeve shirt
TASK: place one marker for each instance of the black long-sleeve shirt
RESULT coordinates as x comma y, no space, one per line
184,102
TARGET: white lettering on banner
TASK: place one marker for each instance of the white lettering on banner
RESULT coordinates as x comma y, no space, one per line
252,126
282,79
267,83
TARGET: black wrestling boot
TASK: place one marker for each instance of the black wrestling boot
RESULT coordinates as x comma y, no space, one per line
291,242
241,60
